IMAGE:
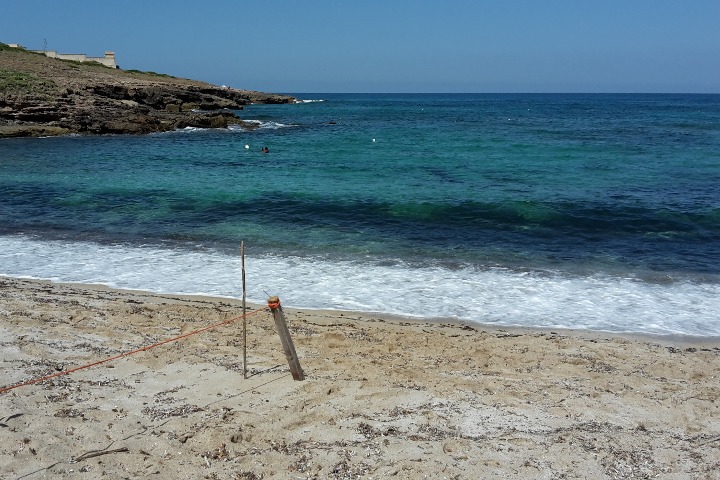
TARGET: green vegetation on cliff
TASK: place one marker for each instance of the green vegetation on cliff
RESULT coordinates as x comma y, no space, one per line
48,96
21,83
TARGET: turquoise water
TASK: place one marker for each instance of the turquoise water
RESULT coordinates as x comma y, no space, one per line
589,211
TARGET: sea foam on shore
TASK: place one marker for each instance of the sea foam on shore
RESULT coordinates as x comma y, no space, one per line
500,297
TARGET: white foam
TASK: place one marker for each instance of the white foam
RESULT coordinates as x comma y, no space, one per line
275,125
498,296
309,101
262,125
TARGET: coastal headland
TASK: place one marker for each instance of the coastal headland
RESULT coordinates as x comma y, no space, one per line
41,96
383,397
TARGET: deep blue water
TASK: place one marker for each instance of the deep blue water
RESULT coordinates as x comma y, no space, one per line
368,198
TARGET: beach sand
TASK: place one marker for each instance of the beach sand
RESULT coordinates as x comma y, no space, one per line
382,398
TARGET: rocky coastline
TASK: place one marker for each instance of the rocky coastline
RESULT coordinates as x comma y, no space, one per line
41,96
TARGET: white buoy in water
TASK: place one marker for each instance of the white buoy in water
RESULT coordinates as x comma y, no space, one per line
247,146
373,140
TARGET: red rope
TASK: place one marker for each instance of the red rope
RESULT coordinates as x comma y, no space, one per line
142,349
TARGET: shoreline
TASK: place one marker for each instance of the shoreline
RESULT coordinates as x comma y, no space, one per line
496,297
665,339
383,396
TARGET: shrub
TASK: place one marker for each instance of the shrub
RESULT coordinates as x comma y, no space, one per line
12,81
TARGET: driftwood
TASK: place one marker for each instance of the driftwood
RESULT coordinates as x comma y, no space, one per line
10,417
244,310
96,453
285,338
714,439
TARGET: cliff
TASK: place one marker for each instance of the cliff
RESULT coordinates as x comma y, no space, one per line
42,96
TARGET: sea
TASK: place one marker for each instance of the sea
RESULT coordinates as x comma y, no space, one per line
598,212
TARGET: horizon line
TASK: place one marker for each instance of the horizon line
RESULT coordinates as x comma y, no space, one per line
495,93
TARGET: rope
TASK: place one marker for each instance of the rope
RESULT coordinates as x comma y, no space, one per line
141,349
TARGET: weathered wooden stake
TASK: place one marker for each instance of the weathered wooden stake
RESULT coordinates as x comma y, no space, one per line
244,310
287,343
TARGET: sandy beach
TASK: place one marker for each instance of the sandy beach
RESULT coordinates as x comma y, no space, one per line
382,398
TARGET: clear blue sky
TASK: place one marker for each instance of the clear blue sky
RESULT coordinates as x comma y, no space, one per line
392,45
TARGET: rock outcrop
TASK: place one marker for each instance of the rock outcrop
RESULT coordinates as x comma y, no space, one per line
42,96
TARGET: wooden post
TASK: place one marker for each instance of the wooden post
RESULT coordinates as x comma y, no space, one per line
244,310
287,343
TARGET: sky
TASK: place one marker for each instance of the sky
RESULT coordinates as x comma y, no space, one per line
389,46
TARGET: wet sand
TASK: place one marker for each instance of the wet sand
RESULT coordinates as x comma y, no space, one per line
383,397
